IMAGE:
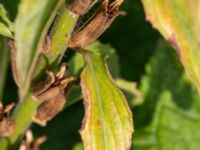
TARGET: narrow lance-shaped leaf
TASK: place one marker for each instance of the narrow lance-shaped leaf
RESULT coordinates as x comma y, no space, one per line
32,22
175,21
108,120
6,27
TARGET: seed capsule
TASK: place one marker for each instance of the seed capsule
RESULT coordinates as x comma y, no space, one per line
98,24
52,96
80,7
54,101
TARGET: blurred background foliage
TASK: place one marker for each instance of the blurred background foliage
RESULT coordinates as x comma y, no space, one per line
165,105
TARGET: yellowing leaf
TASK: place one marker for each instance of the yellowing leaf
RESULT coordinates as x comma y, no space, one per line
175,20
107,124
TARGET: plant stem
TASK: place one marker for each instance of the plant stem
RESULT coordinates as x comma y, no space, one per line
59,36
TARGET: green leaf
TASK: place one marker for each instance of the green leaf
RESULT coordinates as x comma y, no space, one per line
169,118
6,27
4,60
108,120
32,23
175,21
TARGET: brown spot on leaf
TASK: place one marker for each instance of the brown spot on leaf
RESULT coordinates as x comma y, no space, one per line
98,122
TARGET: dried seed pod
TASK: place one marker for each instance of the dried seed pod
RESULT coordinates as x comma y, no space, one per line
29,143
53,98
98,24
80,7
54,101
7,125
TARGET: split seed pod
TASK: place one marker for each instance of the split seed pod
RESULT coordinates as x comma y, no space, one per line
7,125
52,96
80,7
98,24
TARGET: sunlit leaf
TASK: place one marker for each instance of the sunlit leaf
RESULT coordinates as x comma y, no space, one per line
108,121
175,20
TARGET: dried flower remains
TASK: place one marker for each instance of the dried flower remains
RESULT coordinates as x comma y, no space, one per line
52,95
101,20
